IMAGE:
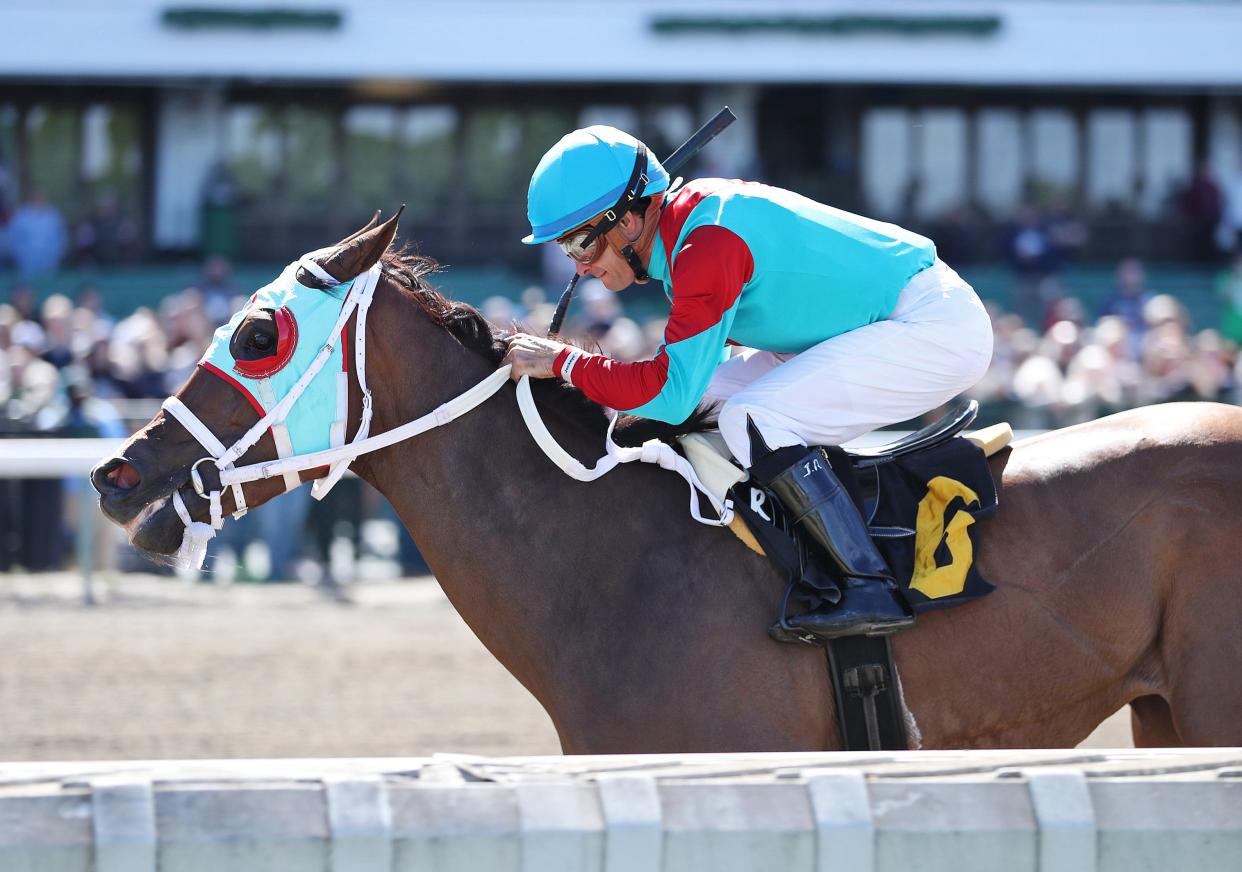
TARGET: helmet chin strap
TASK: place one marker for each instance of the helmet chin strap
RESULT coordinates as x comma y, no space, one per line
630,250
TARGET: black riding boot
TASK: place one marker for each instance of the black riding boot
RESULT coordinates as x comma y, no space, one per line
805,485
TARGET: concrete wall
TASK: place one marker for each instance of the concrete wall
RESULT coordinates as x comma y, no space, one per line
952,811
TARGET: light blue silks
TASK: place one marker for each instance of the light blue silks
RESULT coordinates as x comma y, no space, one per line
581,176
818,272
316,312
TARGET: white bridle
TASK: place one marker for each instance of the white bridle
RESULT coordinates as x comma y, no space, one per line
194,541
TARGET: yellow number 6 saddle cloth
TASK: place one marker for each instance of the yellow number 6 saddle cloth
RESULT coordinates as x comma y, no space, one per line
922,498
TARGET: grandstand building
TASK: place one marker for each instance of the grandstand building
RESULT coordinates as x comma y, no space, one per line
256,131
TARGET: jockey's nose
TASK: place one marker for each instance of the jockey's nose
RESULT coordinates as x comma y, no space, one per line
581,268
115,475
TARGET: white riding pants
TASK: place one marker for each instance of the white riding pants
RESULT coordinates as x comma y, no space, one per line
936,343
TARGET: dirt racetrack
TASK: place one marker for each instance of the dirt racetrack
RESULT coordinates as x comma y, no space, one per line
169,669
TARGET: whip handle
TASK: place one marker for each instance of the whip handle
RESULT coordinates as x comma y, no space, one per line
558,317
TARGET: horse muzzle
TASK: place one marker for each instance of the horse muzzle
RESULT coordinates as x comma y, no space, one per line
126,500
119,483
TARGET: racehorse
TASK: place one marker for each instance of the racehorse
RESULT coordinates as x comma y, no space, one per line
639,630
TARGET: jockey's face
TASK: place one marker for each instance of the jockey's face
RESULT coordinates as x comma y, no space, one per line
610,267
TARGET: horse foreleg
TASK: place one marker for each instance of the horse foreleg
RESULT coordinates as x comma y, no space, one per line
1151,723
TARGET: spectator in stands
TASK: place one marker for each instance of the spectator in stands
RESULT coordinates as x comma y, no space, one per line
90,299
1029,252
6,204
501,311
187,332
1067,232
1202,206
533,297
140,355
25,301
601,308
218,289
105,235
1229,291
1229,235
105,383
1113,335
76,412
1165,361
1129,296
1037,386
8,318
1210,372
6,192
653,336
1092,386
58,331
30,539
32,381
554,269
1061,307
37,236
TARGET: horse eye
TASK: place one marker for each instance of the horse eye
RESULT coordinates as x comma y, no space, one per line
260,340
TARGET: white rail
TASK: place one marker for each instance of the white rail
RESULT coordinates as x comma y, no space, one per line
1068,811
53,458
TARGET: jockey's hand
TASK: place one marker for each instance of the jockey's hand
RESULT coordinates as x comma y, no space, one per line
531,355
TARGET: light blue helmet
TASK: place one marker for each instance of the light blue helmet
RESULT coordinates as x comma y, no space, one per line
584,174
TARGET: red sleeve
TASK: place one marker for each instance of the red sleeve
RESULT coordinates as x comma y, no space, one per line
709,272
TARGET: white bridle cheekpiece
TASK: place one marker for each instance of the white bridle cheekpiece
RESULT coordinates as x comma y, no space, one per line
295,397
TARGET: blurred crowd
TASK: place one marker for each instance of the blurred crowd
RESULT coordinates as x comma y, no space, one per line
64,360
1139,347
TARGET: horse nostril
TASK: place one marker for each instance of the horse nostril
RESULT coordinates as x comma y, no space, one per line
115,475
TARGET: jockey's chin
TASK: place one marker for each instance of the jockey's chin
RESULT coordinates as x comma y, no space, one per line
616,282
617,278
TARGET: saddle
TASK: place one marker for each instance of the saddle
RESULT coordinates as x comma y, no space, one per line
715,467
921,497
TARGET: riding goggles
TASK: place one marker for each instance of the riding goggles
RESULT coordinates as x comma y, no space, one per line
583,244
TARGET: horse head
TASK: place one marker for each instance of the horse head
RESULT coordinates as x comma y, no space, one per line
164,475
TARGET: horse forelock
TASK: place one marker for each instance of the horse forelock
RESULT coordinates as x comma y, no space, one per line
409,271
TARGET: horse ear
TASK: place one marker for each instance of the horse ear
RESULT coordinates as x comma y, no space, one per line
370,224
355,254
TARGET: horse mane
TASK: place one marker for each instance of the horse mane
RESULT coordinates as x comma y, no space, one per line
409,271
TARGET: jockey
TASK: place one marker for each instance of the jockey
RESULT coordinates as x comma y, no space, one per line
839,324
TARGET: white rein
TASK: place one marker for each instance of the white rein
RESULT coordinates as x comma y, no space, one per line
194,541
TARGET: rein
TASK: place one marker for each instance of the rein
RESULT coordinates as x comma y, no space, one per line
194,541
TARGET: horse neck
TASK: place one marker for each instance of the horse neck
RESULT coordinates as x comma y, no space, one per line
485,506
631,624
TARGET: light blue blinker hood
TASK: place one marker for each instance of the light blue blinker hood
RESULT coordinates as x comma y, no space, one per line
323,404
